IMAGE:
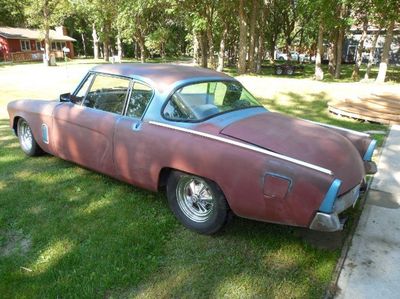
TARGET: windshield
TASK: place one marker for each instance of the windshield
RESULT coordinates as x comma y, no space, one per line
199,101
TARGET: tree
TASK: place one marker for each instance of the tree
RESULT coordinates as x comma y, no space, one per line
371,56
385,53
319,73
389,12
45,14
242,37
12,13
343,24
362,15
136,20
253,34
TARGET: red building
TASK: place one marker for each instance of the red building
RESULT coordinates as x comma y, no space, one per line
22,44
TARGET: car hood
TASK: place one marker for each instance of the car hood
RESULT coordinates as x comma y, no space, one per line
304,141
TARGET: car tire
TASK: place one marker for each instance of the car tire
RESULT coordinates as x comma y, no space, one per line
278,70
26,139
290,70
197,203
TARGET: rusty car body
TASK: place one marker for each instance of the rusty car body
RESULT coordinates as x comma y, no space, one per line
201,135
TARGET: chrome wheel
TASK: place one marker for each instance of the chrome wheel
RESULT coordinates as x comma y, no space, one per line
25,135
195,198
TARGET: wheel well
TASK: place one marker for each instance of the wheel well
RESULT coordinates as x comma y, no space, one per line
166,171
15,124
163,177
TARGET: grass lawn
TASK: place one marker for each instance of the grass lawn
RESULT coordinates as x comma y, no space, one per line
66,232
392,75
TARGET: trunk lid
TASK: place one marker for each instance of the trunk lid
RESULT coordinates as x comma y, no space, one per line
304,141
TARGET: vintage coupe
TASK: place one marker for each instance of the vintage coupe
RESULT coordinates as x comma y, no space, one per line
204,137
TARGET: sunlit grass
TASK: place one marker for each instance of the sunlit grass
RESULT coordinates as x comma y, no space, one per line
392,75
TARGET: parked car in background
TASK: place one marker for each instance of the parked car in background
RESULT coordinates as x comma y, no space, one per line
205,139
295,56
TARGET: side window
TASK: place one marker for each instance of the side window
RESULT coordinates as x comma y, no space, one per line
80,95
107,93
140,98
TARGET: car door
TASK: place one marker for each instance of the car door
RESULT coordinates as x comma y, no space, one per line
84,129
132,139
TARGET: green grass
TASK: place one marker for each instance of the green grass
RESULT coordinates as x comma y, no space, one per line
90,236
67,232
392,75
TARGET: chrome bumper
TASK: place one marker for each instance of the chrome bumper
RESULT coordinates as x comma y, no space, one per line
331,222
326,222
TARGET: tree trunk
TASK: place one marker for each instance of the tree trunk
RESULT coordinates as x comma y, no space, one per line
106,49
242,38
135,49
261,50
142,47
83,44
339,44
203,48
210,46
46,35
95,43
319,73
332,53
47,47
119,48
221,55
195,48
385,54
356,71
339,52
372,54
252,44
332,59
272,51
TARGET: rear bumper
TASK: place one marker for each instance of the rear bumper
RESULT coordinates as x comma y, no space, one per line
326,222
330,222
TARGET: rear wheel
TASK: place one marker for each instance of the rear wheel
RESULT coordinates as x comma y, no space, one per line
279,70
198,203
26,139
290,70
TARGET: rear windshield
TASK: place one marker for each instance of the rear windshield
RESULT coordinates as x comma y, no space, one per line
199,101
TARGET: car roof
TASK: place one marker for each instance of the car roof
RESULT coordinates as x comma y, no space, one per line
161,76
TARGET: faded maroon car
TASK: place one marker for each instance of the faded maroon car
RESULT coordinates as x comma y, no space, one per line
204,137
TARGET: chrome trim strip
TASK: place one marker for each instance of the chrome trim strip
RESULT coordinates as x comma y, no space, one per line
244,145
338,128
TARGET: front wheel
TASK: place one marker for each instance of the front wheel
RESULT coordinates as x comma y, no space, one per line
198,203
26,139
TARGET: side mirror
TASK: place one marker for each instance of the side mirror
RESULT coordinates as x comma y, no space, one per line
65,97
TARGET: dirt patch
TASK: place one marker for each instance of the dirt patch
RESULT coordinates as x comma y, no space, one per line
14,242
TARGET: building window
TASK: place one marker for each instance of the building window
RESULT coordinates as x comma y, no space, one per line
38,45
53,46
25,45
